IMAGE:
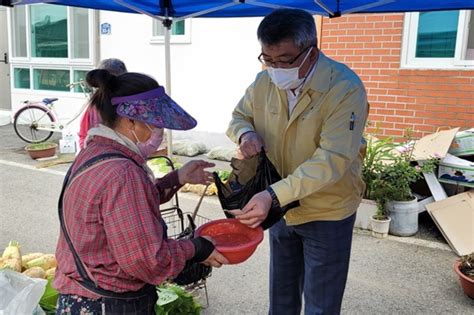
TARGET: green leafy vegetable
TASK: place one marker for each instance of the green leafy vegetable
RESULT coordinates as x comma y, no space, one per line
223,175
50,297
160,166
173,299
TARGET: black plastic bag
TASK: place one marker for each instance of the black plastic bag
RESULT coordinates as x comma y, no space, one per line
248,178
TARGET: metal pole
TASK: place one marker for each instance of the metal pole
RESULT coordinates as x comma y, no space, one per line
167,25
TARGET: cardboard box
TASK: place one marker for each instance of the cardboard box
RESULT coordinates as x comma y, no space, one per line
463,143
434,145
454,217
454,170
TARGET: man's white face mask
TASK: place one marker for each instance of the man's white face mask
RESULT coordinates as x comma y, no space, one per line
287,78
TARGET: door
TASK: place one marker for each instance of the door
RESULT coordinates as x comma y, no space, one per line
5,88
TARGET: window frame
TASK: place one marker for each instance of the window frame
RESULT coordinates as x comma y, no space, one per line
60,68
32,67
408,57
69,63
174,39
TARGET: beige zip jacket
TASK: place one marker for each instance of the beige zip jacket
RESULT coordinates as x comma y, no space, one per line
316,148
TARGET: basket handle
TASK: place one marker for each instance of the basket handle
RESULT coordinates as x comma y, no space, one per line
171,164
199,203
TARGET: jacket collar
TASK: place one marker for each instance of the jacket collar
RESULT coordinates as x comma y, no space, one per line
320,79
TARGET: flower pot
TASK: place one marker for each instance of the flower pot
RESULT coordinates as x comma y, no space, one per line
467,283
404,216
380,227
41,150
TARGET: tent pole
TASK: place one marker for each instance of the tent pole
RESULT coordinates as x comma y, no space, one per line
167,25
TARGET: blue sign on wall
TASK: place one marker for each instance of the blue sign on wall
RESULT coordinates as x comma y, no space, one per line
105,29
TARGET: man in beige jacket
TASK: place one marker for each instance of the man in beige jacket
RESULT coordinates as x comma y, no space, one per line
309,113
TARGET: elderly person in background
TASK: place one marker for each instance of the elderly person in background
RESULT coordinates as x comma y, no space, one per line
91,117
309,113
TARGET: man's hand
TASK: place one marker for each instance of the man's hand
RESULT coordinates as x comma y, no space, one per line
250,144
255,211
193,173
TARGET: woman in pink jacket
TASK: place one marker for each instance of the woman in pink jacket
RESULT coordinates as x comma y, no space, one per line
91,117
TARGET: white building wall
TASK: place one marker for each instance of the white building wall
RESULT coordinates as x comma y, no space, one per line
209,74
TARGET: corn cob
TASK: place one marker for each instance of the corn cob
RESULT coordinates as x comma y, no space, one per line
12,257
50,272
35,272
27,258
212,190
46,262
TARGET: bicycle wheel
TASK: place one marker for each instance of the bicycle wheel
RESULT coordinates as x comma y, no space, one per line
27,120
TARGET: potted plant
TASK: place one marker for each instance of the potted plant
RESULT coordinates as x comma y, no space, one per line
465,270
393,192
380,222
378,152
375,153
41,150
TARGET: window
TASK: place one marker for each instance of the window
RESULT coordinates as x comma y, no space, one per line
53,44
441,39
436,39
79,23
78,76
19,48
51,80
49,31
180,32
21,78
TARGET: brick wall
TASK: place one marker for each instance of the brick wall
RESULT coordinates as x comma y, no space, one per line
422,100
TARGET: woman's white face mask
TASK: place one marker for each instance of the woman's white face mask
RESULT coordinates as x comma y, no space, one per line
287,78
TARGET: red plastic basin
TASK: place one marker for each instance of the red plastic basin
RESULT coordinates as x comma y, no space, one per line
234,240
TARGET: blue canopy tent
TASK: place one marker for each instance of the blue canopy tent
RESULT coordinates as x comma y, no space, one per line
248,8
169,11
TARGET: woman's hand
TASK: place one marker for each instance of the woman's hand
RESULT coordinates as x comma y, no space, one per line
193,173
215,259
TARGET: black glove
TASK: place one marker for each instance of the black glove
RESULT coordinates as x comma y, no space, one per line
203,248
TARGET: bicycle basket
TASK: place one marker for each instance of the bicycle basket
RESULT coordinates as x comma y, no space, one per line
193,271
181,226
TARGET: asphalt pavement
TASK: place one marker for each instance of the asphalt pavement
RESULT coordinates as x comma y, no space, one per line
411,275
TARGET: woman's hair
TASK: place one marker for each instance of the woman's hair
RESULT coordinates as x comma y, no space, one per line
288,24
109,86
113,65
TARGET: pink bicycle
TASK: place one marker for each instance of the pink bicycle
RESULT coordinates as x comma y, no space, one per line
36,122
